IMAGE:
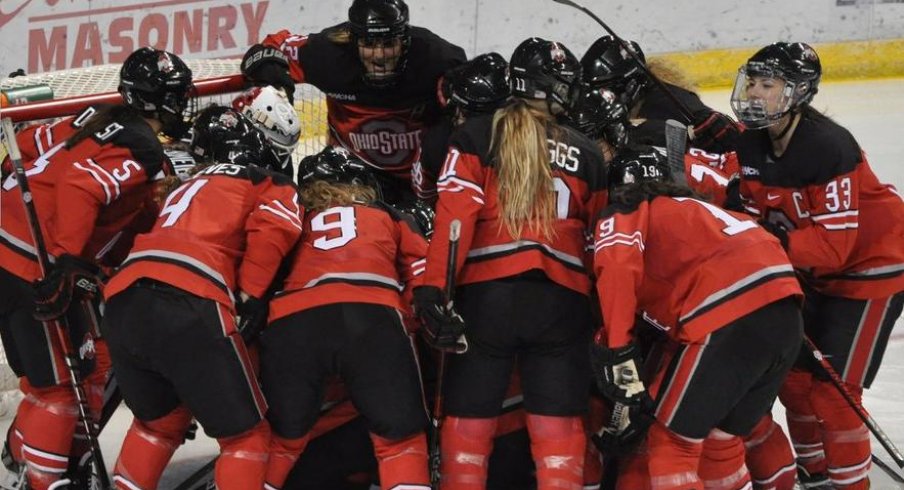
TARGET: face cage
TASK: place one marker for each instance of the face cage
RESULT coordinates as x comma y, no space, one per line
379,76
754,113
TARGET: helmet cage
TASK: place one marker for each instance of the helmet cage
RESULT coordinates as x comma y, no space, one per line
758,113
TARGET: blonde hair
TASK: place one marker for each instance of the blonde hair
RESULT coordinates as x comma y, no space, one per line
320,195
669,72
521,156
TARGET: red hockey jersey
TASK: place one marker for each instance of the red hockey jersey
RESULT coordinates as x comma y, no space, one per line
708,174
382,126
85,196
846,228
353,254
468,191
224,230
687,266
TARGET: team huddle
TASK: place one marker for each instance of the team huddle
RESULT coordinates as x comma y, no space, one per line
503,274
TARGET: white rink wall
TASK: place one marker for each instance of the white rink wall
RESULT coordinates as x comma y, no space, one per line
44,35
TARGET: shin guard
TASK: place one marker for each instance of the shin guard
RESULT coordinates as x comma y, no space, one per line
243,459
148,448
284,453
47,423
673,459
403,462
770,459
722,463
803,425
465,446
557,445
846,438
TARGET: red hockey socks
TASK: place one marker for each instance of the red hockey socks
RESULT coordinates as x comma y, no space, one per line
465,445
557,445
283,455
402,462
633,470
593,460
769,457
148,448
673,459
844,435
47,423
722,462
803,426
243,459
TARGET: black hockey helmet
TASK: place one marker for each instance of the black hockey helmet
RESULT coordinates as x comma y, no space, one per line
335,164
480,85
598,114
795,64
223,135
544,70
374,24
159,85
422,213
640,163
606,64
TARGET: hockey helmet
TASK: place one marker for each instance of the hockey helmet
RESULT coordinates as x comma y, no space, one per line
598,114
481,85
792,67
223,135
607,64
270,111
375,26
159,85
635,164
544,70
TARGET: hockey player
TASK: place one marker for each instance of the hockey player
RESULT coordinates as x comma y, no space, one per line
523,286
272,113
607,65
379,75
340,313
94,175
170,317
727,297
479,86
807,180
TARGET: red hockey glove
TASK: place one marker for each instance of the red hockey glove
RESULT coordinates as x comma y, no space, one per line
266,65
715,132
442,328
71,279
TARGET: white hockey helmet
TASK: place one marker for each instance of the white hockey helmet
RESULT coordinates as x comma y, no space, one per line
270,110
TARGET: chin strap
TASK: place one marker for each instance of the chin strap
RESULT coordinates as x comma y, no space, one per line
794,115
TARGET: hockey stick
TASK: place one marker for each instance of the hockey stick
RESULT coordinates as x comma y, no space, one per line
675,147
858,408
885,467
640,63
60,325
435,459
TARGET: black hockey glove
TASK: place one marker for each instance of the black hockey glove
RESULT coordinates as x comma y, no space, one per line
616,373
778,230
627,427
266,65
442,328
71,279
715,132
733,200
252,317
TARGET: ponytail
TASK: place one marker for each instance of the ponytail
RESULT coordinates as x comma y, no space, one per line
521,156
100,120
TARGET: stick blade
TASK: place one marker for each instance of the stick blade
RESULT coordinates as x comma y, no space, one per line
675,147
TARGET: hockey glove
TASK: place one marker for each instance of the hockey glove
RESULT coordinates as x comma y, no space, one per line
442,328
715,132
616,373
71,279
778,230
252,317
266,65
627,427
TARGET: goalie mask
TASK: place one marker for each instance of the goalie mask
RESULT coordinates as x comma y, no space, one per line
636,164
778,79
335,164
222,135
379,28
270,111
159,85
544,70
598,114
606,64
